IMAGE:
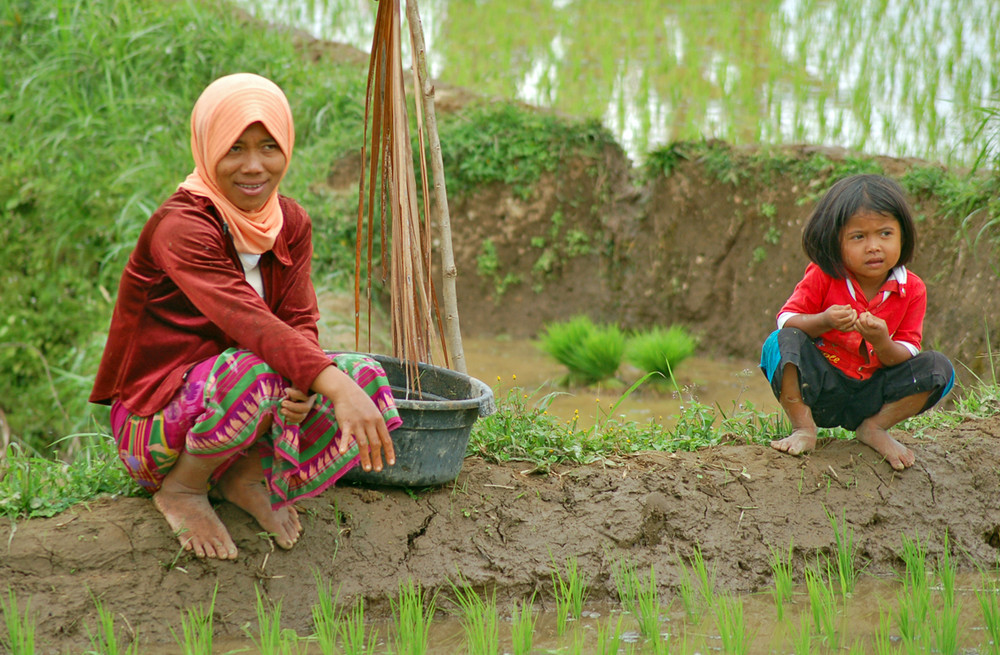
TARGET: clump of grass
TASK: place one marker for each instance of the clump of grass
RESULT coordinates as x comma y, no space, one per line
660,350
20,639
570,592
270,639
413,621
987,594
522,627
592,353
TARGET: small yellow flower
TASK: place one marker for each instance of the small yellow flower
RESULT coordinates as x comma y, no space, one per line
498,378
514,377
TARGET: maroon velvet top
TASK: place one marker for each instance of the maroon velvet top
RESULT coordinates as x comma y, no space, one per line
184,297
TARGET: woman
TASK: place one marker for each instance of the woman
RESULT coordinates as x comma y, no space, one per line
213,365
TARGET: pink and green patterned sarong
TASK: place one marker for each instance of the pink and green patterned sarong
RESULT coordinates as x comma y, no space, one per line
217,412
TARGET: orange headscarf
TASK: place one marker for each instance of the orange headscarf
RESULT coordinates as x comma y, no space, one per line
226,108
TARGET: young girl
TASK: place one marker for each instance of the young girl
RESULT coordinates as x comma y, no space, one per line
847,348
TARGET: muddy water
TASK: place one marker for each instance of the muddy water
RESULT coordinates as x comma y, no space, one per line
721,383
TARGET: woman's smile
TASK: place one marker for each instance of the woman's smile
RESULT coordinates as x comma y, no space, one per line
252,169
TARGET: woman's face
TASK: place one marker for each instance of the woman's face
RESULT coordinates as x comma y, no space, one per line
252,169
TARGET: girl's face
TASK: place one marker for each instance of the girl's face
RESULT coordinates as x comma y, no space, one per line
869,246
251,170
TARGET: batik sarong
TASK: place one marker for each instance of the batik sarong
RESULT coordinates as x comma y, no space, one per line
218,411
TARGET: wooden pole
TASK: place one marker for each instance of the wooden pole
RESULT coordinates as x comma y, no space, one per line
449,273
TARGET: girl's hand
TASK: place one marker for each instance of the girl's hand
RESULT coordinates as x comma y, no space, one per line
841,317
296,405
872,328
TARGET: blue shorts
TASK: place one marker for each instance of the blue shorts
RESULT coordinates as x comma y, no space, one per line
838,400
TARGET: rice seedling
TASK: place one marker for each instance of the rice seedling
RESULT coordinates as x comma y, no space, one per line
354,639
784,586
479,620
104,639
945,572
326,615
913,601
823,605
846,552
697,585
803,638
522,627
570,593
945,629
197,630
412,618
20,626
660,350
732,629
986,594
883,635
592,353
641,599
270,639
609,636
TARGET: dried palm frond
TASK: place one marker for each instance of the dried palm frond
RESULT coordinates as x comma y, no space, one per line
388,167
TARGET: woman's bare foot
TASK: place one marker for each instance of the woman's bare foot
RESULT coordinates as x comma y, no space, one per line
243,485
899,456
195,523
799,441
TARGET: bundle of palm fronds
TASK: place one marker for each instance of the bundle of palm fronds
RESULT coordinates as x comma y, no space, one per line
392,198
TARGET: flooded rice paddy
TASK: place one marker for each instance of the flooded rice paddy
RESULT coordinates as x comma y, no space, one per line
896,77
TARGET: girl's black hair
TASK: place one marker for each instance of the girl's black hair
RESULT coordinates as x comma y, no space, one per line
874,193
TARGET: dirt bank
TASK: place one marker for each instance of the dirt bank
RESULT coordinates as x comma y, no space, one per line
502,527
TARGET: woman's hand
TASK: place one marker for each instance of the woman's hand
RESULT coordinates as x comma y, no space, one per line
358,418
296,405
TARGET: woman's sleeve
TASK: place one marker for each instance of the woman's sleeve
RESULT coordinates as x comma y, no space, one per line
194,254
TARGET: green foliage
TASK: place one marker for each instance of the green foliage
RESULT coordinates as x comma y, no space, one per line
591,352
506,143
660,350
34,486
20,626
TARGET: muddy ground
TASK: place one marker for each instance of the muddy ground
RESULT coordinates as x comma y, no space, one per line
502,526
717,255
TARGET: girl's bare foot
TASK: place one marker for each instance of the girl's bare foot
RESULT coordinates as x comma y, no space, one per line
799,441
243,485
899,456
195,523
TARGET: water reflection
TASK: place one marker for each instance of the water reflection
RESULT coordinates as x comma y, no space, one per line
896,77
